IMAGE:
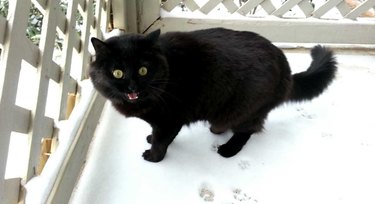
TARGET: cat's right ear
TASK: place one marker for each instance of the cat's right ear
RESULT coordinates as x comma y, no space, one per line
153,36
99,45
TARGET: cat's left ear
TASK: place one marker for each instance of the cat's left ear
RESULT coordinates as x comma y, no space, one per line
154,35
98,45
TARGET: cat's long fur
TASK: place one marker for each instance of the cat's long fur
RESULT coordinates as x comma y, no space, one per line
231,79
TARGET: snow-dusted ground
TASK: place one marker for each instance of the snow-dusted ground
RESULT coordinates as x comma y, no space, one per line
321,151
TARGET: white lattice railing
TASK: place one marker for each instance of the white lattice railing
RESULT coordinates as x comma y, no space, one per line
340,22
37,82
350,9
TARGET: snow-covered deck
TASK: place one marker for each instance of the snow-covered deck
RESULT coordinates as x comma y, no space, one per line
37,93
315,152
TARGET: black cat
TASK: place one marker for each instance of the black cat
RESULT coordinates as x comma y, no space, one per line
229,78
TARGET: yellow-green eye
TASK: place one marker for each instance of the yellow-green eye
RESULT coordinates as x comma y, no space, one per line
118,74
142,71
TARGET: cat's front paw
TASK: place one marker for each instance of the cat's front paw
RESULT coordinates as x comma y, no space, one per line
153,156
226,150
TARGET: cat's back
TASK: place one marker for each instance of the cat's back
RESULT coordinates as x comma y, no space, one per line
215,37
222,36
220,45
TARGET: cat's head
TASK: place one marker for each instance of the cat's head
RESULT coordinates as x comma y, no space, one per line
129,68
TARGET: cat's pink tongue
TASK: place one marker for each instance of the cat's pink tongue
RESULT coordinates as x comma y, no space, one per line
133,96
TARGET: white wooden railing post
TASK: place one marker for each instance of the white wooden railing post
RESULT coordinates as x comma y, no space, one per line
135,16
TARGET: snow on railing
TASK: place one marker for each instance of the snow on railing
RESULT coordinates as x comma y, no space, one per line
39,81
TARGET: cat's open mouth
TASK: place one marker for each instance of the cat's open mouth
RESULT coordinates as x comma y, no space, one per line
132,96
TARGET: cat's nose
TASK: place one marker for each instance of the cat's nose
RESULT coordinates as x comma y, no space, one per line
132,87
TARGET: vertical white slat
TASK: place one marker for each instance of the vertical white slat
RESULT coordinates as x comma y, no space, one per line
97,19
96,24
209,6
70,40
327,6
69,86
85,36
285,7
135,16
10,66
126,15
3,24
148,12
91,21
106,20
61,20
248,6
42,126
363,7
101,16
76,39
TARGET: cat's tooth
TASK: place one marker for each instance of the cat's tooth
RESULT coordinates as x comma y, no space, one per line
133,96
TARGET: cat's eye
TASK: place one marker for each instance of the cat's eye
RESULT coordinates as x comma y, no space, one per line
142,71
118,74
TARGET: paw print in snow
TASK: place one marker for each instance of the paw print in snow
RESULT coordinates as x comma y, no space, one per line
215,147
206,194
242,197
305,114
244,164
327,135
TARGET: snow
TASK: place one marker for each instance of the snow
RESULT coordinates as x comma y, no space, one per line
315,152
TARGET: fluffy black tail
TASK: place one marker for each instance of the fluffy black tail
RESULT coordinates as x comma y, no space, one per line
312,82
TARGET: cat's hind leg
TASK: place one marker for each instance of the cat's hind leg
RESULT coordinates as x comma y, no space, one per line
242,134
235,144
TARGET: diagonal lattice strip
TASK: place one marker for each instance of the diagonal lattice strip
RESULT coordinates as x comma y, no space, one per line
209,6
363,7
248,6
